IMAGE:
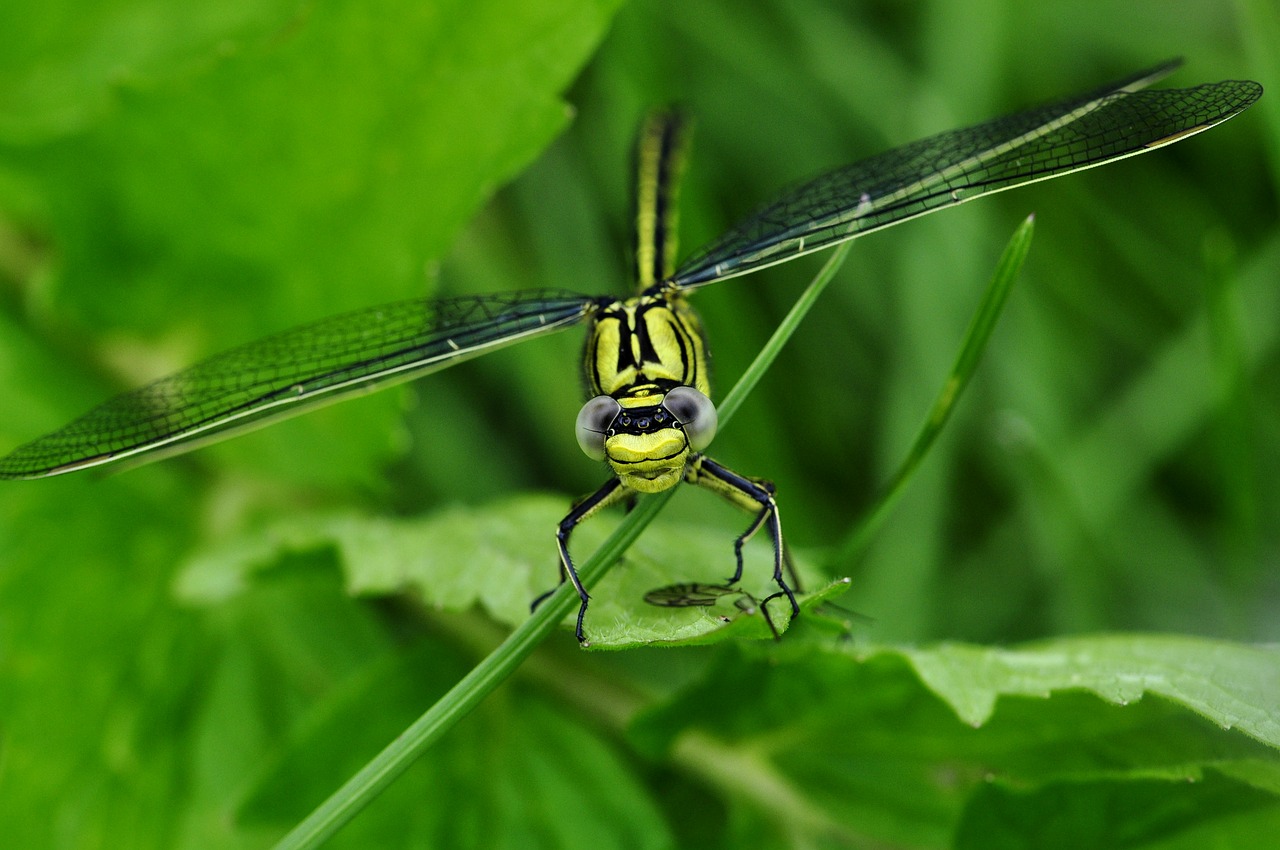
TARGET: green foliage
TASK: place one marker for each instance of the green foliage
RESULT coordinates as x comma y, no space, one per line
197,654
884,745
382,556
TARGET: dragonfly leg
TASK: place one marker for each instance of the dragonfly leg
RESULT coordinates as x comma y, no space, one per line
609,494
752,494
764,514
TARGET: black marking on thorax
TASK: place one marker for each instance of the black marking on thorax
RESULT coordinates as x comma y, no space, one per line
630,354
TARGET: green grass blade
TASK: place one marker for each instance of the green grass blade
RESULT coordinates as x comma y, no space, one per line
975,342
362,788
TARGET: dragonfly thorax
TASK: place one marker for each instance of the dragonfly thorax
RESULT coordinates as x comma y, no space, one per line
654,338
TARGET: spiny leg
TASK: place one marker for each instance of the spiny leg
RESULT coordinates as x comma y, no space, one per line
610,493
742,539
763,607
751,494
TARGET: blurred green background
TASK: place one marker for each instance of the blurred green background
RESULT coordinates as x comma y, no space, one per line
174,181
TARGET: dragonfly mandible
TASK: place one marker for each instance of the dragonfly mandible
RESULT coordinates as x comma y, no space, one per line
650,417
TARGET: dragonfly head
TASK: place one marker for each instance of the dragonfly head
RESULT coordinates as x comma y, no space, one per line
646,436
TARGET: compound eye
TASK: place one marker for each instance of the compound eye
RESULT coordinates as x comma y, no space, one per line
593,424
696,413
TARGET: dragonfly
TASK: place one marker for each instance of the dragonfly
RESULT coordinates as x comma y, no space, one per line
649,416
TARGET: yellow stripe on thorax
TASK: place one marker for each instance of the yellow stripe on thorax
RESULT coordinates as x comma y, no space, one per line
653,338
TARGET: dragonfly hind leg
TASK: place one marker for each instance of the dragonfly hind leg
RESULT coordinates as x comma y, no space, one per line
751,494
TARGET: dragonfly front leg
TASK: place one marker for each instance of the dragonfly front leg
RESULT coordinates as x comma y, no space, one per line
611,493
751,494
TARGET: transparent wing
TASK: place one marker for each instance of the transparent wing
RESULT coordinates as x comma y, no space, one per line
295,371
1110,123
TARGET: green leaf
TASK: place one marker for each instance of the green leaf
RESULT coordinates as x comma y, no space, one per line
65,60
1232,685
501,556
884,744
1180,813
98,668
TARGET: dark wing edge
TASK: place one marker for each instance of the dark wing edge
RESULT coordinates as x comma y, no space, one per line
293,372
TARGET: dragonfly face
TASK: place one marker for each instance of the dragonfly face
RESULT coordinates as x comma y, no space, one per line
648,435
650,416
